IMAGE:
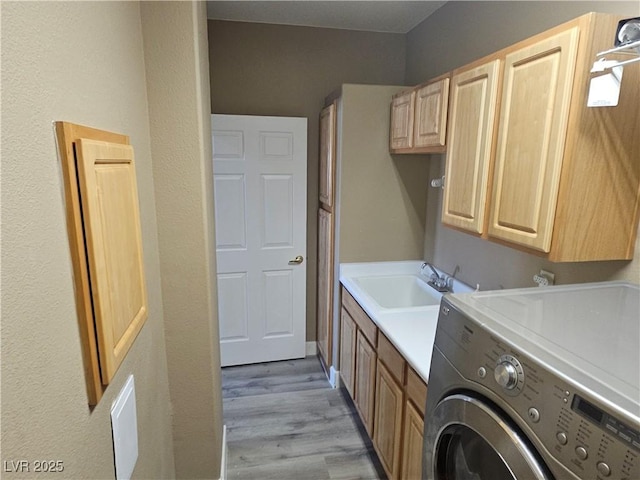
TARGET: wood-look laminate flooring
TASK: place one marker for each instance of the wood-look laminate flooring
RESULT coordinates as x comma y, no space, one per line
285,422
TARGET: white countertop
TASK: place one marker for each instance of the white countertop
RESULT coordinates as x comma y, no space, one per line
412,330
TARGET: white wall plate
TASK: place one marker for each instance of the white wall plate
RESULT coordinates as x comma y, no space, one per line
124,424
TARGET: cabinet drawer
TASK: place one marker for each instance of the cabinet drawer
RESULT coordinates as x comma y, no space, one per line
359,316
416,390
392,359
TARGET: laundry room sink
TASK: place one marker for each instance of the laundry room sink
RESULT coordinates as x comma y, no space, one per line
398,291
401,304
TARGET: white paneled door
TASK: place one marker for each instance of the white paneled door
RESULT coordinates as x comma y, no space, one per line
260,184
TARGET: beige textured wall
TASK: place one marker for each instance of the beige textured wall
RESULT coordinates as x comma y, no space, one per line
382,196
80,62
456,34
177,66
288,71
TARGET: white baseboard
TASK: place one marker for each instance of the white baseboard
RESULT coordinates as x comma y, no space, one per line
310,348
334,377
223,461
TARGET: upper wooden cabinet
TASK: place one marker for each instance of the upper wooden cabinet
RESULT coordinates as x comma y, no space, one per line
419,118
531,137
564,178
327,155
474,94
401,129
430,125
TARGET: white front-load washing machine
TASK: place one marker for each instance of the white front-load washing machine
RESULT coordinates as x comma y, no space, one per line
540,383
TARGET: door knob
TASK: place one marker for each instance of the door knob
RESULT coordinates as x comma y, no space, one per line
297,261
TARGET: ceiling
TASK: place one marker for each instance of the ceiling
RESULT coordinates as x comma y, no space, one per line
378,16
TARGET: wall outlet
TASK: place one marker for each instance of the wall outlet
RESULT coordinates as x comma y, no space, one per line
544,278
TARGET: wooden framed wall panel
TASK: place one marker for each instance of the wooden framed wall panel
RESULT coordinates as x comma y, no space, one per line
111,216
68,136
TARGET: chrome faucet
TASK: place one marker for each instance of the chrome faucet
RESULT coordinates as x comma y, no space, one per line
437,281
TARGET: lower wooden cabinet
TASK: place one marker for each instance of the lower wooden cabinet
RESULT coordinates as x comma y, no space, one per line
365,380
359,340
347,351
412,443
387,430
415,406
389,395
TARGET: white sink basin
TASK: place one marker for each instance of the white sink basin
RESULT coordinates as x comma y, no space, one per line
399,291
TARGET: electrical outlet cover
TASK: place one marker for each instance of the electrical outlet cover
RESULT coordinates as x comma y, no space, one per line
124,424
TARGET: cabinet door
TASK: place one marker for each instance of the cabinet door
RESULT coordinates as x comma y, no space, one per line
387,431
325,285
430,125
412,444
365,382
534,113
347,351
114,248
327,155
401,131
474,95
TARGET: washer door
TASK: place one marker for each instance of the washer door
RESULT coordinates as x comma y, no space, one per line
467,440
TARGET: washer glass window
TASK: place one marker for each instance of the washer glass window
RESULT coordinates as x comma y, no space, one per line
466,439
465,455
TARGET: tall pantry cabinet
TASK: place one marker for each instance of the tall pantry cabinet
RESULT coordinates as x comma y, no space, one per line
373,204
326,192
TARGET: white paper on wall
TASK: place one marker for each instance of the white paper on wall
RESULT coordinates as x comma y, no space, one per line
604,90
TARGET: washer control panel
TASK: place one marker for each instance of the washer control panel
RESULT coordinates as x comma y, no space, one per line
566,425
509,374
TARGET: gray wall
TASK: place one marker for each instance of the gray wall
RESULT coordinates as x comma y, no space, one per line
458,33
462,31
263,69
